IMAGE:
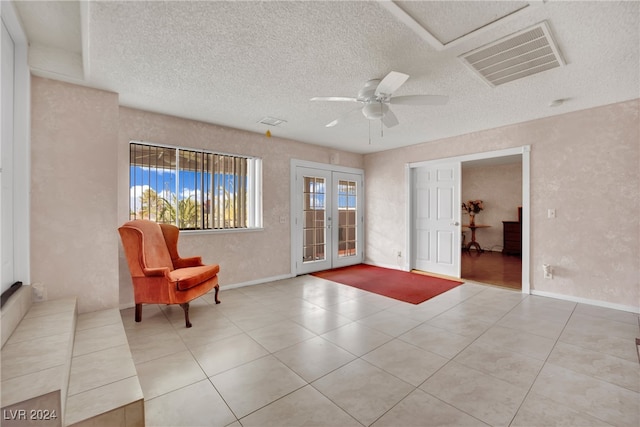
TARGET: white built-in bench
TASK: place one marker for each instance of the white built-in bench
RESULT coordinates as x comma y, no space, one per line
64,369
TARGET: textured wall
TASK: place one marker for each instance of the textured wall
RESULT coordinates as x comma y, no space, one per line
500,189
583,164
243,256
79,193
73,192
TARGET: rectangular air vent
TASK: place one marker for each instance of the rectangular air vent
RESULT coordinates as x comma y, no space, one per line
519,55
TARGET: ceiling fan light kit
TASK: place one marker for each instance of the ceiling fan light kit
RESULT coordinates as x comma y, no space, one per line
375,110
376,95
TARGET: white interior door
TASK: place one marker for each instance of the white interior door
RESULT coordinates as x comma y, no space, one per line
436,218
327,219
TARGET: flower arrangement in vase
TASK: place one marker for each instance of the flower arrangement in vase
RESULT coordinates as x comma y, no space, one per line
473,207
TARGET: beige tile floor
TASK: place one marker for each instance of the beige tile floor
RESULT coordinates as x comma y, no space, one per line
306,351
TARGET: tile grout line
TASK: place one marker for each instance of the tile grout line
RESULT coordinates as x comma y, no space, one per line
393,337
415,388
543,365
463,349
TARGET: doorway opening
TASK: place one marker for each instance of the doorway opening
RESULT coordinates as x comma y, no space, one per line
327,227
494,255
500,261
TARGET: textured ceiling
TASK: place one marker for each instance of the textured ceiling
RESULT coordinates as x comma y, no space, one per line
469,16
234,63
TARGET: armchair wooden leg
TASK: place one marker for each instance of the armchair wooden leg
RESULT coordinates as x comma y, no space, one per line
217,288
185,307
138,312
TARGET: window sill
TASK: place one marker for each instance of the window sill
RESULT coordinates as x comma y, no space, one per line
222,231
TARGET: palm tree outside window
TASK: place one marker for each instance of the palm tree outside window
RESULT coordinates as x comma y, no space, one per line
194,189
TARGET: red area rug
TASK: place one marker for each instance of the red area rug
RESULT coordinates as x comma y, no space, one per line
401,285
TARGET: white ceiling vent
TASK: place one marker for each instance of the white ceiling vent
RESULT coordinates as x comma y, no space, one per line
518,55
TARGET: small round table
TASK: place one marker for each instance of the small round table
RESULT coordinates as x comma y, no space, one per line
473,242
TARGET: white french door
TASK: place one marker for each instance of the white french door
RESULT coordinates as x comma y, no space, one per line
313,225
327,219
435,217
347,211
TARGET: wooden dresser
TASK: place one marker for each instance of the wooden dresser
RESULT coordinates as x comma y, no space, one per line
512,241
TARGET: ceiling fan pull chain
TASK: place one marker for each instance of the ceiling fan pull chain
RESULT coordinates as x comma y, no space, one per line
381,117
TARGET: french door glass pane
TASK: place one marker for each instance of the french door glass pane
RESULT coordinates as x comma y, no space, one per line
315,212
347,212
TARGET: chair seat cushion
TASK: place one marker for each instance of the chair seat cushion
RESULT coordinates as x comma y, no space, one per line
187,278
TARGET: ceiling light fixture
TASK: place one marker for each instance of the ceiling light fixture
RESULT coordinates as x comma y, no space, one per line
375,110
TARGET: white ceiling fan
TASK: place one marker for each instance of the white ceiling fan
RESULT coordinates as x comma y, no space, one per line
376,95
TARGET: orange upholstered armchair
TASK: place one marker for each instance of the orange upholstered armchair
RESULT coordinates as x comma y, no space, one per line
159,274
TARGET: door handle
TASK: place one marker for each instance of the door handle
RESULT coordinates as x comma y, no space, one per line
455,223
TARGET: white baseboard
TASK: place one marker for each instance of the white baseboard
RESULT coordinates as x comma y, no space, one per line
257,281
580,300
389,266
571,298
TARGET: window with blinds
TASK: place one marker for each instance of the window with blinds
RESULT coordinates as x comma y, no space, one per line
194,189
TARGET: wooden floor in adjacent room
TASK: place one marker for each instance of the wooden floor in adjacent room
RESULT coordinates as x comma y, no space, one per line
492,268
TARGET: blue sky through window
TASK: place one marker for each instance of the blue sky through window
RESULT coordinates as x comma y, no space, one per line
163,182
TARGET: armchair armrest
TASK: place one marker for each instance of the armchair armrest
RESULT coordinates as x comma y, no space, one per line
194,261
155,271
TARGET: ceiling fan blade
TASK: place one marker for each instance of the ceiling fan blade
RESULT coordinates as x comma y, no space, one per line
390,83
419,100
343,117
389,119
334,98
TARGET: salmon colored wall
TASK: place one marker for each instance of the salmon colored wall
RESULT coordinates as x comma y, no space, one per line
584,164
79,193
73,193
247,256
